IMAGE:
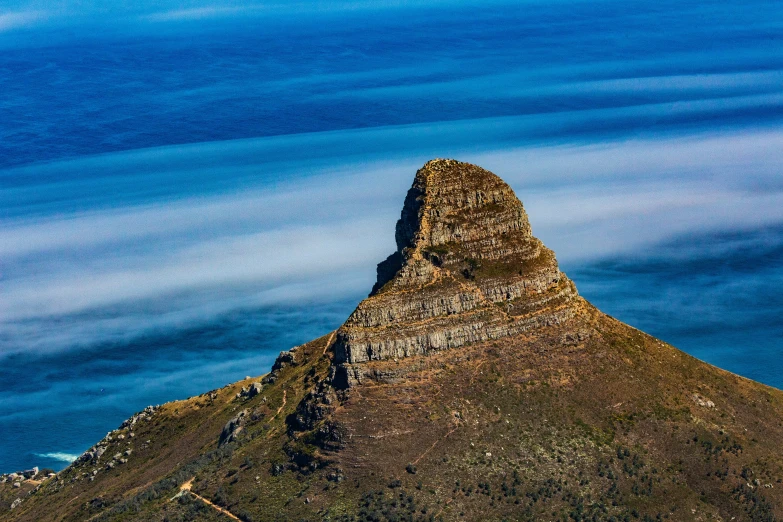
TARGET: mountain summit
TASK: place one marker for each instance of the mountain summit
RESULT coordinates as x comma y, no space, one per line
467,269
474,383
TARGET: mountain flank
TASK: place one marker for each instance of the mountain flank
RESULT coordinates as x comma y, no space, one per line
474,383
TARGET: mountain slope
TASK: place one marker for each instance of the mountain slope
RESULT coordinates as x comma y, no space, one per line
473,384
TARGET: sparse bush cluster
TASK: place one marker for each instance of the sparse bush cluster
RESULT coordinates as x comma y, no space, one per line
756,506
381,506
168,486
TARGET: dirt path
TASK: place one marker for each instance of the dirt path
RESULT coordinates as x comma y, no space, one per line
273,431
452,430
186,488
476,372
449,501
329,342
285,393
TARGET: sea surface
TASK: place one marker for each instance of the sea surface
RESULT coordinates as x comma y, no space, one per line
188,188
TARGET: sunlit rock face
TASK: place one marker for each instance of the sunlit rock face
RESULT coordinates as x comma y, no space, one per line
467,269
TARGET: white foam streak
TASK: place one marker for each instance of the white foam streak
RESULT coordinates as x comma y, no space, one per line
18,19
267,258
112,273
195,13
58,455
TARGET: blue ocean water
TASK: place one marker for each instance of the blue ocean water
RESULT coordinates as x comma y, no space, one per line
188,188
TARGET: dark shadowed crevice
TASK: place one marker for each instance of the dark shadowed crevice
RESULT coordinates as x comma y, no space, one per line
409,222
405,234
386,270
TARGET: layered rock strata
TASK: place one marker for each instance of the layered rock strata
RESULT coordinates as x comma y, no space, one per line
467,269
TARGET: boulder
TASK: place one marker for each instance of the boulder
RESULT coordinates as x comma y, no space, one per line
254,389
232,428
285,359
702,401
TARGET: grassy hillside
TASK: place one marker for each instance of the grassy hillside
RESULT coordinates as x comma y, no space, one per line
592,420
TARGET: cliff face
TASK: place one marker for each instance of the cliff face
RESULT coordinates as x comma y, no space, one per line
467,269
473,384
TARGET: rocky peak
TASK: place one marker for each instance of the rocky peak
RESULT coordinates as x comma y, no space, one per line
456,211
454,202
467,269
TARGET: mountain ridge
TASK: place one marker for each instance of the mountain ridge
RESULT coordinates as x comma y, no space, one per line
474,383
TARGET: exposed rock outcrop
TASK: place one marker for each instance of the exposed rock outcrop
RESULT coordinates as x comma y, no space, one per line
286,358
467,269
233,427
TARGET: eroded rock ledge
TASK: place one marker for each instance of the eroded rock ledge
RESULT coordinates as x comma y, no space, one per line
467,269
